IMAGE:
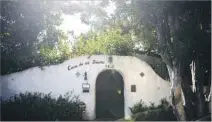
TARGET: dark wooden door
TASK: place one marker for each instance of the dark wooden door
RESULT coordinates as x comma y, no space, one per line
109,95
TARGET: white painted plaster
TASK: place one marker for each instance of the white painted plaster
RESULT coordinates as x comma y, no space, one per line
59,80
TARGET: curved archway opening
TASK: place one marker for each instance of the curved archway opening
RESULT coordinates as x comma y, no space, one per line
109,95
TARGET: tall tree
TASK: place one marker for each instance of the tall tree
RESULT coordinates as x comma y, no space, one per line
178,28
25,25
175,31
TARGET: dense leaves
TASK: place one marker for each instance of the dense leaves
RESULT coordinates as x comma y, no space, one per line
41,107
175,30
178,31
25,26
109,41
53,55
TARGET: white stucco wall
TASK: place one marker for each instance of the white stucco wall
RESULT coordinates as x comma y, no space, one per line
59,80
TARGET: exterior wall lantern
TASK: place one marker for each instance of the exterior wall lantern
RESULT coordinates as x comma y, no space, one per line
85,87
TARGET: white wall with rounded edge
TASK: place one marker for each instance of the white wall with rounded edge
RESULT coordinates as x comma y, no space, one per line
57,79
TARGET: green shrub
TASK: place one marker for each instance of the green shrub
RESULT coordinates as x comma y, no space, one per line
142,112
39,107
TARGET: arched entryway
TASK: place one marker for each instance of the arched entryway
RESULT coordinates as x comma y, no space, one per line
109,95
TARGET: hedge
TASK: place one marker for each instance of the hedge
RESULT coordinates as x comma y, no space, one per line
39,107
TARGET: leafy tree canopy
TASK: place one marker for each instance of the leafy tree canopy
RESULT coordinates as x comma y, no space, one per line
25,27
109,41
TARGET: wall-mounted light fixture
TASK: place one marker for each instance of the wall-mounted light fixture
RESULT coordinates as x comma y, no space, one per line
85,87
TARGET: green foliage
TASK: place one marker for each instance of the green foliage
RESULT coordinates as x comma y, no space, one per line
161,112
55,54
110,41
139,107
41,107
24,26
173,29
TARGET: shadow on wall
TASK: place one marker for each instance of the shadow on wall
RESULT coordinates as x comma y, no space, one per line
6,92
156,64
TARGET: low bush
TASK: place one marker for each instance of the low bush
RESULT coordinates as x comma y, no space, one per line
161,112
40,107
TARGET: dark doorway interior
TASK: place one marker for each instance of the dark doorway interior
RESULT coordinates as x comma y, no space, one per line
109,95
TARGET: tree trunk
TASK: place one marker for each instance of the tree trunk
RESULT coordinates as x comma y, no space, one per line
176,92
208,96
209,100
189,99
201,104
193,75
200,100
